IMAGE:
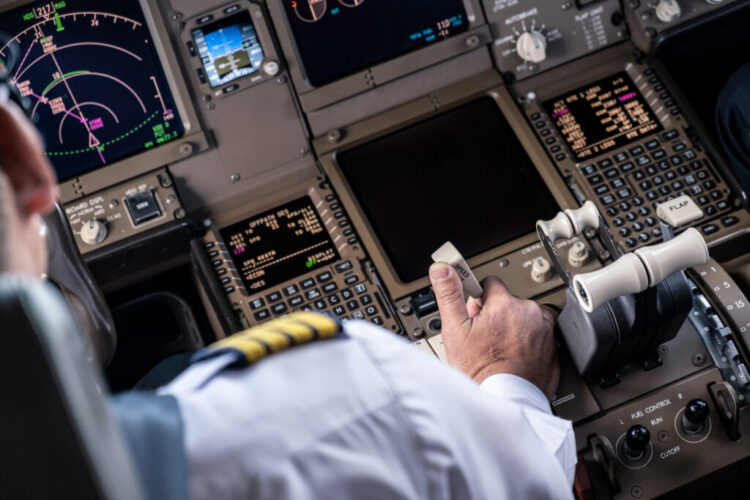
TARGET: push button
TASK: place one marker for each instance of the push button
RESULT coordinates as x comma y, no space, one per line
143,207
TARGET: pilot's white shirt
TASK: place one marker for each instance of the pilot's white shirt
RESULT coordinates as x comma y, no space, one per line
368,416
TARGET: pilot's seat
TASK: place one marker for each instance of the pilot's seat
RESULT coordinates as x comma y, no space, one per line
61,435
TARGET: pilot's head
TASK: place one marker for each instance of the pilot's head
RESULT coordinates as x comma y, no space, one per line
28,189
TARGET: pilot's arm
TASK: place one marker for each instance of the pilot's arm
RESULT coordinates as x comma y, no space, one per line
366,415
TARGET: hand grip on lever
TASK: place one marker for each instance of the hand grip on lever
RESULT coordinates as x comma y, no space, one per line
634,272
686,250
558,228
585,217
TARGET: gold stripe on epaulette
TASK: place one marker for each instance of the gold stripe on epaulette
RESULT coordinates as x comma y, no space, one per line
279,334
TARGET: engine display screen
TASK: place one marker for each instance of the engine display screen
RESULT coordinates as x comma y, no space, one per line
461,176
602,116
229,49
280,244
91,74
339,37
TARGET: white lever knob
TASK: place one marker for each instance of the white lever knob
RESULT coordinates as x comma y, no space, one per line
668,10
625,276
558,228
532,46
686,250
585,217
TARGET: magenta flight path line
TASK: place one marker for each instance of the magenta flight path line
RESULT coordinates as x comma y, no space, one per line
24,59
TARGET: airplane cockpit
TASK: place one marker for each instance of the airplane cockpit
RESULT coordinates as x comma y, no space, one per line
223,163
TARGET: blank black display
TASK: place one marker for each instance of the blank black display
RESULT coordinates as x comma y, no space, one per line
339,37
279,245
462,176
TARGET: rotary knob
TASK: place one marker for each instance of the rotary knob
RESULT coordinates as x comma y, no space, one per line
531,46
541,270
694,418
578,255
636,442
668,11
94,231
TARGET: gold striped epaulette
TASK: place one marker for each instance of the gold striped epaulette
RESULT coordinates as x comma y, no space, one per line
272,337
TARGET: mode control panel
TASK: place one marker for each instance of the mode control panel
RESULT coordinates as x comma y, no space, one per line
302,255
530,37
123,210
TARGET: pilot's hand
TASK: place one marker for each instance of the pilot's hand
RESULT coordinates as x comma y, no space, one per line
498,333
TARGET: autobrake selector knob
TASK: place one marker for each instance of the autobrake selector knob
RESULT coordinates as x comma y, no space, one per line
94,231
668,10
694,418
532,46
541,270
636,442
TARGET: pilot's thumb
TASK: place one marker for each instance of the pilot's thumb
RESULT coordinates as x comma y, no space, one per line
449,294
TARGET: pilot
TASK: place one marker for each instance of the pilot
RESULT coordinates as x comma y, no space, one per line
362,414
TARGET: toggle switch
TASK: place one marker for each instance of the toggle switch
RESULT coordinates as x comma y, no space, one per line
636,442
695,416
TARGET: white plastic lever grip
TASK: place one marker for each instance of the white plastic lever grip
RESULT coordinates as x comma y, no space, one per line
558,228
624,276
450,255
686,250
585,217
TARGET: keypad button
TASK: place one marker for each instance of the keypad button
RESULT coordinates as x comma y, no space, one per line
217,262
650,221
689,155
352,305
262,315
323,277
651,170
256,304
676,160
696,190
350,280
702,175
539,124
644,237
639,176
330,198
343,223
601,189
710,210
365,299
338,215
308,283
677,185
624,206
344,266
545,132
656,232
630,243
348,232
588,170
596,179
664,165
377,320
556,148
617,221
670,134
675,111
347,294
358,315
334,299
226,281
710,229
279,308
560,157
658,155
637,150
607,199
652,144
624,193
221,272
229,289
330,287
339,311
627,167
637,201
312,294
549,140
631,216
617,183
703,200
722,205
670,176
643,160
320,305
729,220
605,163
709,184
371,310
621,157
658,180
637,227
652,195
645,185
695,165
213,254
296,301
612,211
624,231
351,241
644,211
611,173
273,297
291,290
664,190
360,289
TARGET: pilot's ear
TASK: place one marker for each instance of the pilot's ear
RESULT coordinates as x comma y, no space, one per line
23,161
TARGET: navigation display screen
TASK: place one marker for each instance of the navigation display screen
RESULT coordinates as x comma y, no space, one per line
339,37
90,73
280,244
602,116
462,176
229,49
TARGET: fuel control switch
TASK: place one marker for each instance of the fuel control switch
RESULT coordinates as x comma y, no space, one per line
636,442
694,418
